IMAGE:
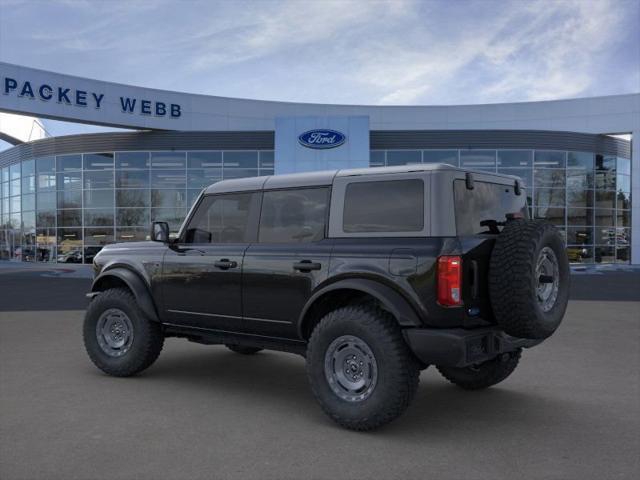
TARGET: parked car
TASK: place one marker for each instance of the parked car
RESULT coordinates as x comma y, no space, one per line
370,274
578,254
90,253
72,256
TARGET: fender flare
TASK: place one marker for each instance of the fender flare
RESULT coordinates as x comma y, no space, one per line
137,286
395,303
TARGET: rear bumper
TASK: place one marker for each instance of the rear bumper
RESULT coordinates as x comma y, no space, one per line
457,347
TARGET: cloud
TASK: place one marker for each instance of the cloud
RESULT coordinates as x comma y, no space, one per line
374,52
532,51
288,26
554,54
404,95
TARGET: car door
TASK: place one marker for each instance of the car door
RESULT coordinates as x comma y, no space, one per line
289,260
202,272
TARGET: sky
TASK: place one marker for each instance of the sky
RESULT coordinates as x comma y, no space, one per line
396,52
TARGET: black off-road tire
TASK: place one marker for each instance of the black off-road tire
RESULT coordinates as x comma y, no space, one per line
484,375
244,350
397,369
513,281
147,339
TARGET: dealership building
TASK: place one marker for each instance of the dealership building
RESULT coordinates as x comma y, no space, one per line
63,198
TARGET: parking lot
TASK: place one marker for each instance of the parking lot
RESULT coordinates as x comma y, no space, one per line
570,411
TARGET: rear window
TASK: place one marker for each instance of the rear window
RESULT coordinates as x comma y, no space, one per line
384,206
487,201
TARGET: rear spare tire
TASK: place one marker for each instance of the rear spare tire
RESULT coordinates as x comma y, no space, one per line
529,279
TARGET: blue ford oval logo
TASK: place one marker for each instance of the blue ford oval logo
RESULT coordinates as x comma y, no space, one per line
322,138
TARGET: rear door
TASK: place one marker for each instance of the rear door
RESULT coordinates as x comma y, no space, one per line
202,274
290,258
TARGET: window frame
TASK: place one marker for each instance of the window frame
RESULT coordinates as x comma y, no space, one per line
254,217
325,230
336,217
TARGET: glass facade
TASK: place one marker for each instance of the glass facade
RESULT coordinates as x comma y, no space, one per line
586,195
65,208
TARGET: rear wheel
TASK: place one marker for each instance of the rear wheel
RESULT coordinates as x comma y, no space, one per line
118,337
360,369
242,349
484,375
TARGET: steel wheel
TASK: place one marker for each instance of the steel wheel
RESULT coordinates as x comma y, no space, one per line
548,278
350,368
114,332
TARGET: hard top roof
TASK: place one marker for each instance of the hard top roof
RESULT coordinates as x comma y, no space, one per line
325,178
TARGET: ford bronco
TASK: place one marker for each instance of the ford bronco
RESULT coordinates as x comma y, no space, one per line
371,275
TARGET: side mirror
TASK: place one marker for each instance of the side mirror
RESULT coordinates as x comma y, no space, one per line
160,232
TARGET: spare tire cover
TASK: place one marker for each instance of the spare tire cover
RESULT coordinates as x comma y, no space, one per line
529,279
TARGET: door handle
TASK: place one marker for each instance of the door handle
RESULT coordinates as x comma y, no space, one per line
306,266
225,264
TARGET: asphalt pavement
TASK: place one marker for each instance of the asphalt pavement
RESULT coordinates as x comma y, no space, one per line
570,411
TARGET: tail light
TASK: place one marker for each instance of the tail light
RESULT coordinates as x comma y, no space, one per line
449,280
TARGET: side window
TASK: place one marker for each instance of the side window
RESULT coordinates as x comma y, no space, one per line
384,206
290,216
227,218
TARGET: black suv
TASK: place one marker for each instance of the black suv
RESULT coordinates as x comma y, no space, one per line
370,274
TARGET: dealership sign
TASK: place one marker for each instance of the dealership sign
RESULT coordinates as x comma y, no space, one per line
322,138
70,96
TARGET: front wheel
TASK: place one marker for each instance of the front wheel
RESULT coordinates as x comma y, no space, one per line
360,369
118,337
484,375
